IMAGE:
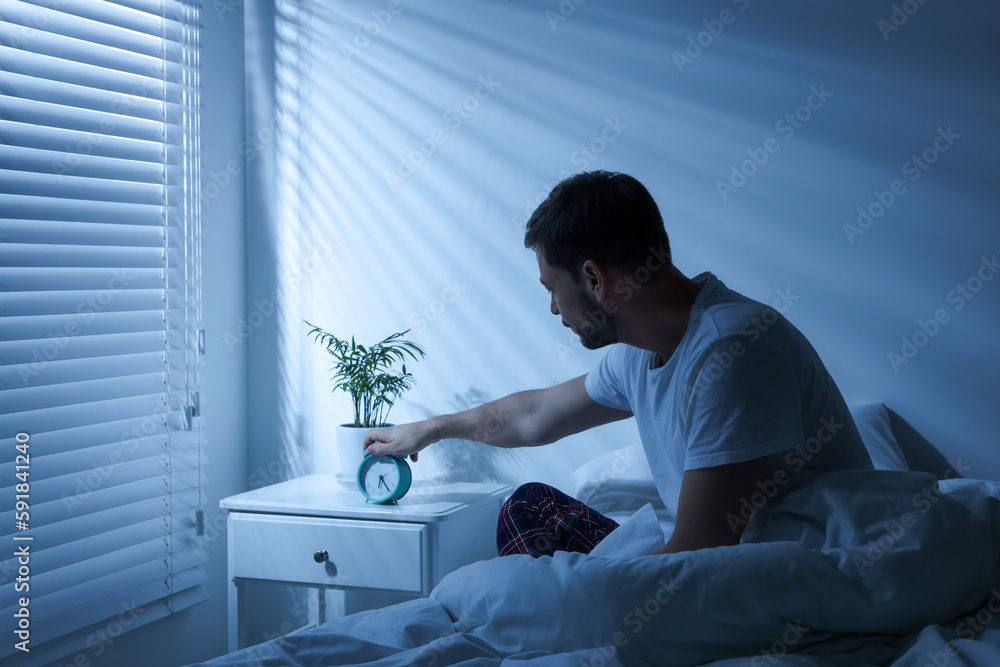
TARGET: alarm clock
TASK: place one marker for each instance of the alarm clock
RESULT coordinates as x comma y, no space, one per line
384,478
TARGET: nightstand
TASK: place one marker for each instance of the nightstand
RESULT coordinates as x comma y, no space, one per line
315,531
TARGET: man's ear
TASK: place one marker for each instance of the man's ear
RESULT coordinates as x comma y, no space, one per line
595,280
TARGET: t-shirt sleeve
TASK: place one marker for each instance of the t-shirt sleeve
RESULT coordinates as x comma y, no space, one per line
745,403
605,383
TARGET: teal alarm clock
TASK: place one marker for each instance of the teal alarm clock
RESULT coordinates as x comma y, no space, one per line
384,478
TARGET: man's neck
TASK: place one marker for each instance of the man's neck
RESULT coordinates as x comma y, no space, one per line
658,319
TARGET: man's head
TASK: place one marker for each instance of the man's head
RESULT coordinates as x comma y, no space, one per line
591,226
603,216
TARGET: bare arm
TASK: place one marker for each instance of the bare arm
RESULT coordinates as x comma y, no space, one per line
522,419
709,499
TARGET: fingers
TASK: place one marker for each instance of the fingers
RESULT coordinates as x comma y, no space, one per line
372,437
377,449
389,441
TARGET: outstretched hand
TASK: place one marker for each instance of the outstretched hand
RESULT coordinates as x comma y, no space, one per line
402,440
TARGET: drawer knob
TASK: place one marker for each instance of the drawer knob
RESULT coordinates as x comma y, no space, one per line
321,556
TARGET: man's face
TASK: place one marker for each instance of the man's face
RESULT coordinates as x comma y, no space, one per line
578,310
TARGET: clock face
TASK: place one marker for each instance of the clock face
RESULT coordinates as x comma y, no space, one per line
380,478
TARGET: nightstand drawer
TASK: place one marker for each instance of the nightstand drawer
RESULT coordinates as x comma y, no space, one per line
361,554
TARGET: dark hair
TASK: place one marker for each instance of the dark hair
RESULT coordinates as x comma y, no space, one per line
603,216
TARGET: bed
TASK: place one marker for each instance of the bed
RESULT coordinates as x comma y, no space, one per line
894,566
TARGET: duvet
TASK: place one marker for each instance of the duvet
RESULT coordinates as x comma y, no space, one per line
854,568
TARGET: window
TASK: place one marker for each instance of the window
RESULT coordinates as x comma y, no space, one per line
100,320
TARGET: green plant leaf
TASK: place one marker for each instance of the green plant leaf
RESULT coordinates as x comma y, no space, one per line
366,372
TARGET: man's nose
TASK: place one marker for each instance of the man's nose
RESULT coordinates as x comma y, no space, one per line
553,306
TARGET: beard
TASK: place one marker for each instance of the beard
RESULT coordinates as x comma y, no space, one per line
599,328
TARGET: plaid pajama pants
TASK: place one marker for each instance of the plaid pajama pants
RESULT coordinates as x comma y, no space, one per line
539,520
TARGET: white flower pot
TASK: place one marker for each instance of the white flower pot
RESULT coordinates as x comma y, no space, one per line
350,447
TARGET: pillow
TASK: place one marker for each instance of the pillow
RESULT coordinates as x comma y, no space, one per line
637,535
872,420
616,482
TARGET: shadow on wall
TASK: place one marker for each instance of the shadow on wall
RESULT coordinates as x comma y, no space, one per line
458,460
920,454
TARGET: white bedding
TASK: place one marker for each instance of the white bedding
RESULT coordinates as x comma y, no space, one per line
858,568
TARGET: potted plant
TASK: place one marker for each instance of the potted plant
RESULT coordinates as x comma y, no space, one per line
366,373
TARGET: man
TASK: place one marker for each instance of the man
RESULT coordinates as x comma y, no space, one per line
732,402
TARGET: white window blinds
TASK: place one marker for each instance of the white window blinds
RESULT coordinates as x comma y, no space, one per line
100,319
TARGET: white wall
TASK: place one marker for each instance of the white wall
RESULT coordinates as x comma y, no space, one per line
414,197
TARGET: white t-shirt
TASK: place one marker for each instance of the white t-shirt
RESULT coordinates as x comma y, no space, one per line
743,383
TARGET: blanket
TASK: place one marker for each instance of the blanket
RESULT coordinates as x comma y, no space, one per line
867,564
